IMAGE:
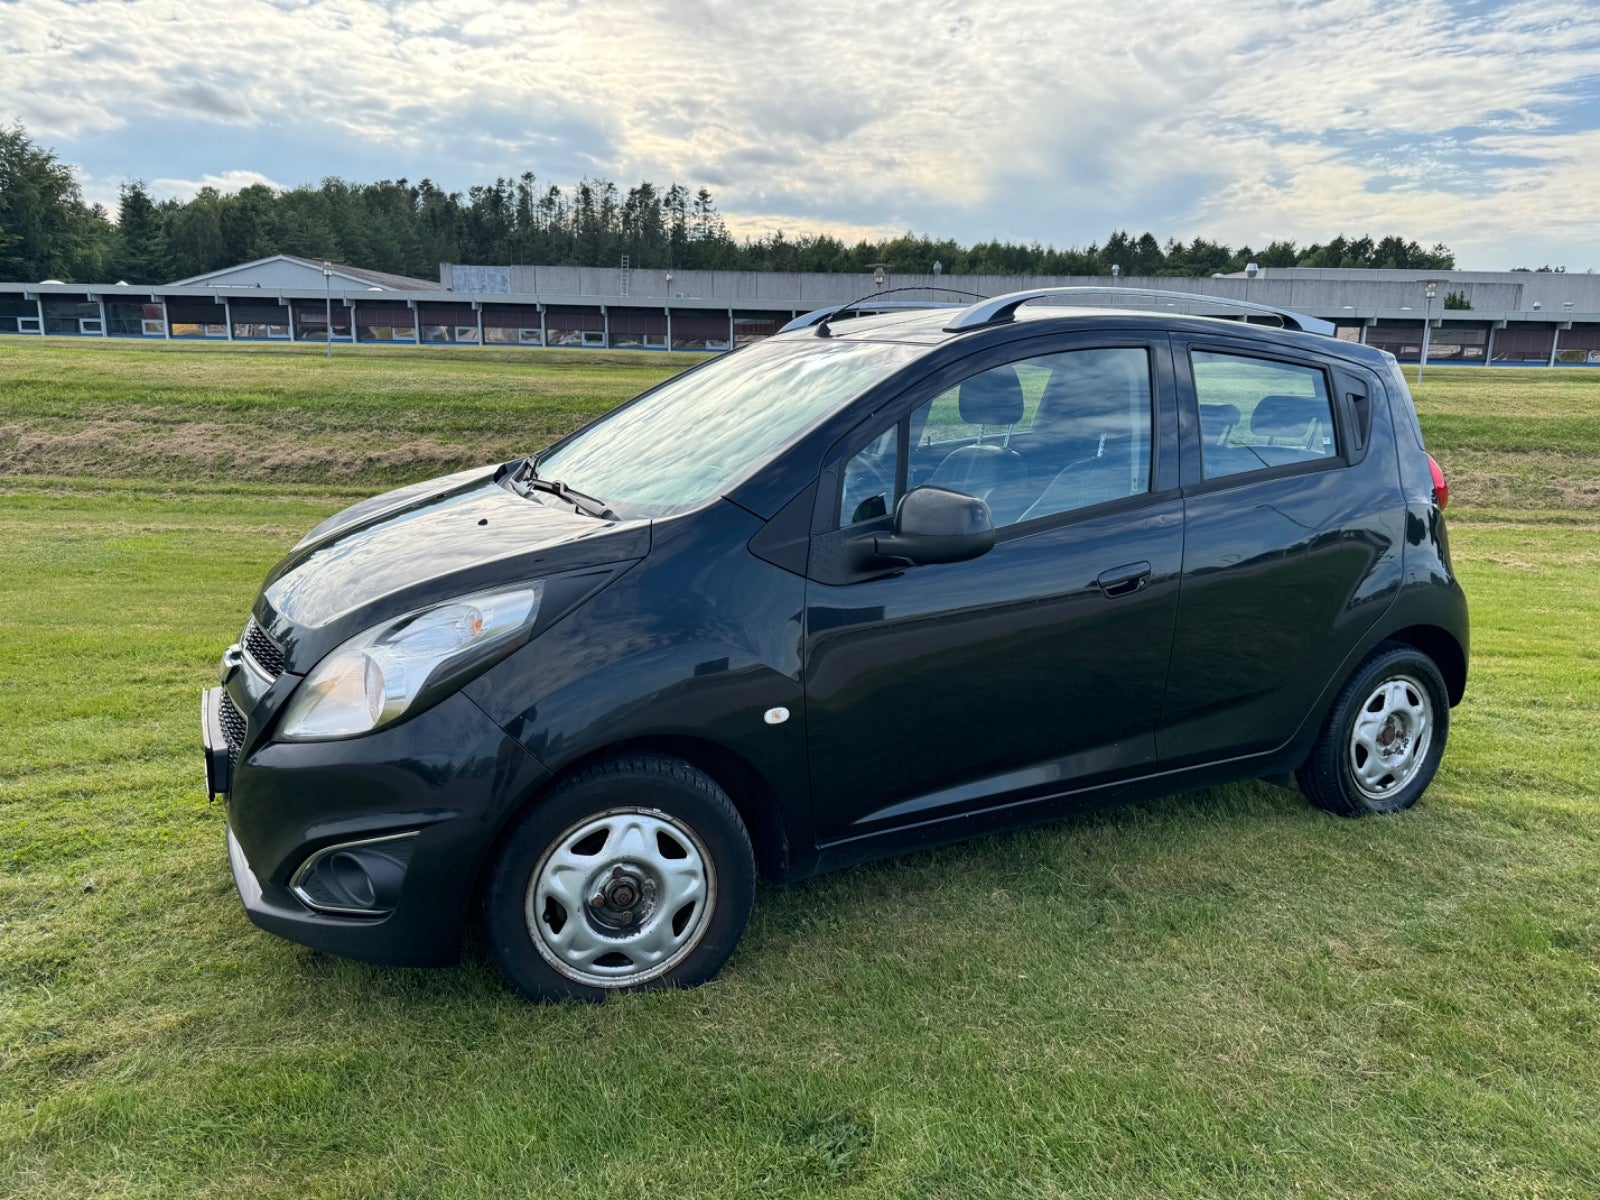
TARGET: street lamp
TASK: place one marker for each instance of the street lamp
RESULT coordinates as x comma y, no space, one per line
327,290
1250,272
1427,323
877,273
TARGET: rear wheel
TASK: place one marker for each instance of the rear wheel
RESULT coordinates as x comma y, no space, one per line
1384,737
632,874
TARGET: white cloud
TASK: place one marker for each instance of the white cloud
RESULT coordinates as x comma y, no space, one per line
1238,119
227,181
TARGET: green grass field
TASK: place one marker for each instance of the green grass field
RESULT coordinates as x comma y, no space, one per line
1221,994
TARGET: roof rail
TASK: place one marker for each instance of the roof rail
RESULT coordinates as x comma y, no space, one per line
820,316
1003,308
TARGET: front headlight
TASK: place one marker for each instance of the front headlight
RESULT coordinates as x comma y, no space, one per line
376,676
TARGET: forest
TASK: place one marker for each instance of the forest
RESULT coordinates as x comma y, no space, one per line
48,231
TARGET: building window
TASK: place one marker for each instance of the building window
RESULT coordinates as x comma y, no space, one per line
638,341
505,335
259,330
65,316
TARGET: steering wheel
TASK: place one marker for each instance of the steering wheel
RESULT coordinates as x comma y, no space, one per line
865,480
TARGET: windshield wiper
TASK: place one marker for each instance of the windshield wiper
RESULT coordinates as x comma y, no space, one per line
583,503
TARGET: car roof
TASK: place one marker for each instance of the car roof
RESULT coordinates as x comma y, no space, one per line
927,326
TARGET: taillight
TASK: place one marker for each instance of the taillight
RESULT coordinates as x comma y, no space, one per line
1441,489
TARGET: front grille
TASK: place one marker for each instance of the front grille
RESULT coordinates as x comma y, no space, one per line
232,727
262,649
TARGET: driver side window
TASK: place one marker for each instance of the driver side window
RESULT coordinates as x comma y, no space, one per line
1031,438
1042,435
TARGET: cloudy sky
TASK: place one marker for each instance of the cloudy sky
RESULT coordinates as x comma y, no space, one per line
1471,122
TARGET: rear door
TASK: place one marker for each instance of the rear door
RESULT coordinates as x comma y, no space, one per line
1292,541
948,689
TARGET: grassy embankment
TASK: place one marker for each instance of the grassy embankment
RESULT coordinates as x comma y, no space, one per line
1220,994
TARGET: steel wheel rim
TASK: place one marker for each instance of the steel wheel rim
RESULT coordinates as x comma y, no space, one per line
620,898
1391,736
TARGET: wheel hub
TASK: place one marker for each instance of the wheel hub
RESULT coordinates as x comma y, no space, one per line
1394,738
623,898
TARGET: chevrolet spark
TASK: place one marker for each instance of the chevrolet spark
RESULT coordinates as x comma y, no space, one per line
876,583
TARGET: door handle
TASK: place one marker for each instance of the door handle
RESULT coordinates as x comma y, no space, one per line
1124,580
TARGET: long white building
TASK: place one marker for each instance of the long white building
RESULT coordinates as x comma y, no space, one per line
1478,317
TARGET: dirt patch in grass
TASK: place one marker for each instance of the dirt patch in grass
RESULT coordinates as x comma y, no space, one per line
205,449
1534,480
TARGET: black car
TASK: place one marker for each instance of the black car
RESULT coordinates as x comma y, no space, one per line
876,583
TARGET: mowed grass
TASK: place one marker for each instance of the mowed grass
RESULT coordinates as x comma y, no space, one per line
284,414
1220,994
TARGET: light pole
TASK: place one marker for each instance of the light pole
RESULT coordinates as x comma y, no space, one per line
1427,322
1250,271
327,290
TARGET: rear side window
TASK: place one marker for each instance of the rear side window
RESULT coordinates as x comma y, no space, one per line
1256,415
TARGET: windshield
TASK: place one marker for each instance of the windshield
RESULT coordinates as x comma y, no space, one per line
697,436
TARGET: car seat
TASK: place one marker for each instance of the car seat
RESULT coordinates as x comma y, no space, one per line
983,468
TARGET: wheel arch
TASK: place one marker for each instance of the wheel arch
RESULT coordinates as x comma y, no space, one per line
749,790
1446,652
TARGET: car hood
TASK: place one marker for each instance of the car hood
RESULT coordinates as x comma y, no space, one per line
423,544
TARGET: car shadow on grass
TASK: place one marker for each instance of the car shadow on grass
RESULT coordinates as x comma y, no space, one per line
1067,866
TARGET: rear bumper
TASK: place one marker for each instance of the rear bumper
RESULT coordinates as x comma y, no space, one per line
449,775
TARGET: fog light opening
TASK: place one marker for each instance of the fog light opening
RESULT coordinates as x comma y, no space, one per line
355,878
350,877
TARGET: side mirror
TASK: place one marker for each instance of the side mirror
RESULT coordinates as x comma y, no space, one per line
936,525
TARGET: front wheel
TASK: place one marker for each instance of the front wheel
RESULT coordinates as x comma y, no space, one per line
1384,736
632,874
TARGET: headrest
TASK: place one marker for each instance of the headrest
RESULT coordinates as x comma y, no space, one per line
1219,416
1285,416
1089,386
993,398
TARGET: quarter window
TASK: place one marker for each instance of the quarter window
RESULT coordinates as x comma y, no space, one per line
870,480
1256,415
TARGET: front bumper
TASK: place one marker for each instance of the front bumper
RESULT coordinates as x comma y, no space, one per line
214,741
449,775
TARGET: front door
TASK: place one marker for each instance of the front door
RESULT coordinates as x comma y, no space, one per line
1029,672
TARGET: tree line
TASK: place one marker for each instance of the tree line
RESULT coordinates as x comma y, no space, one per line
48,231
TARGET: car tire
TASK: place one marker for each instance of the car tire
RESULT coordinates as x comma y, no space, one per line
632,874
1383,738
